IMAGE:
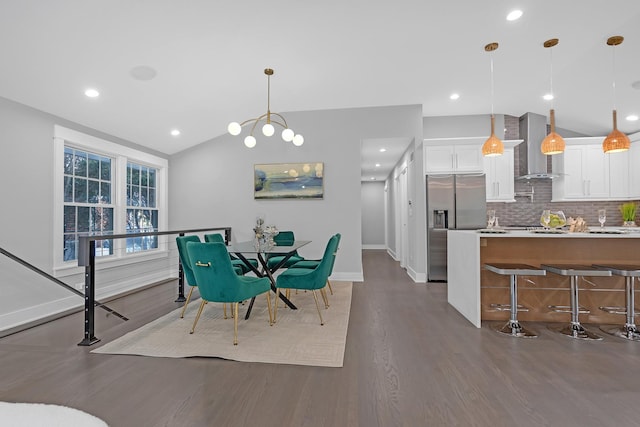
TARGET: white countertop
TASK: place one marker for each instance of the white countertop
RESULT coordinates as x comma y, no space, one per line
617,233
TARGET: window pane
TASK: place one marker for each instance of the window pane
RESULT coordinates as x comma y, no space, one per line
143,196
80,190
152,177
94,166
105,169
68,189
80,164
94,191
135,174
107,217
144,171
68,161
152,198
84,222
105,192
135,195
69,219
69,250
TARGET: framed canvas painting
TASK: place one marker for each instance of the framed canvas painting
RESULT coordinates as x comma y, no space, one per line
288,181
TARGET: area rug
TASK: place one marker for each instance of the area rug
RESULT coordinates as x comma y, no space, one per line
45,415
297,338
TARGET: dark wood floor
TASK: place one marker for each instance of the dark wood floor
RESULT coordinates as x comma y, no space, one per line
410,360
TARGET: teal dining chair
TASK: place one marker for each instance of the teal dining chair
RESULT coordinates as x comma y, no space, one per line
313,263
217,238
284,238
181,242
218,282
310,279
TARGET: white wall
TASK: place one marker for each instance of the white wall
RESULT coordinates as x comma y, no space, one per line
373,215
212,184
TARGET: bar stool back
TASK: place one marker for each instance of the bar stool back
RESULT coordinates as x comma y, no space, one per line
575,329
513,327
629,331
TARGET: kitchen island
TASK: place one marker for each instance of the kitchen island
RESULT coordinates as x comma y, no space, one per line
472,290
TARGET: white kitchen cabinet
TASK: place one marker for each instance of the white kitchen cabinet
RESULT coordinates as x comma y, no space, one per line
634,168
619,174
500,177
587,173
453,155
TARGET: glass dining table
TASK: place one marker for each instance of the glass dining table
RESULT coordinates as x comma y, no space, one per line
262,252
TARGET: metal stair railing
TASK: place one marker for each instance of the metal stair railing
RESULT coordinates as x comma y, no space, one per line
87,259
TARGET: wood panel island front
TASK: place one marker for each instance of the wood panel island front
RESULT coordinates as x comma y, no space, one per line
472,290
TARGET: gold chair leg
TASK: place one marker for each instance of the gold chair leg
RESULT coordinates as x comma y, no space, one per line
235,323
323,292
315,297
202,304
184,307
275,305
224,309
330,288
269,308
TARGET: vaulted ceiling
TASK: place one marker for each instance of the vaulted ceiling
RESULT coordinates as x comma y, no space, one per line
197,65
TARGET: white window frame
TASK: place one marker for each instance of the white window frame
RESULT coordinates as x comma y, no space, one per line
121,155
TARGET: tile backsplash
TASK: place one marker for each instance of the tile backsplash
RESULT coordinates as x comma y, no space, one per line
527,212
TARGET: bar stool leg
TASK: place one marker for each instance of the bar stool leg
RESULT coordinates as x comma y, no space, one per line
629,331
513,327
575,329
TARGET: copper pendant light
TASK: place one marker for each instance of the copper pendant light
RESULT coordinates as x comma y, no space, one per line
553,142
616,141
492,146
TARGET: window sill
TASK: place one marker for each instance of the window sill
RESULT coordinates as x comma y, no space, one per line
72,268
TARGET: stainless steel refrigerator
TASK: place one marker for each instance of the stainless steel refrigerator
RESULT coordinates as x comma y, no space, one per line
454,202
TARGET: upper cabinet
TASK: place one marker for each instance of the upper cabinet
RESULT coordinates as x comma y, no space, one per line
587,173
464,155
499,171
453,155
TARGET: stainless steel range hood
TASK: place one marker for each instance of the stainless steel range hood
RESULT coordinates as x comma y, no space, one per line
532,163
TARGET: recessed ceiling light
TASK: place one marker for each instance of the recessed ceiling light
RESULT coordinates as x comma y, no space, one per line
378,164
547,97
454,96
632,117
382,150
175,132
92,93
373,178
514,15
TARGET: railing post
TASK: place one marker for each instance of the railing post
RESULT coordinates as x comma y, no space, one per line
89,293
227,236
181,297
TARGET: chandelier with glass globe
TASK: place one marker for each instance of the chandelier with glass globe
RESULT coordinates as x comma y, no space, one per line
269,118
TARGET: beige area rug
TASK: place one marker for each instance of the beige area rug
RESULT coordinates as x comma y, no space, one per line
296,339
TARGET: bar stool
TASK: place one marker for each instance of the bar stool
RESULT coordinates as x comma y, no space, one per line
629,331
513,327
575,329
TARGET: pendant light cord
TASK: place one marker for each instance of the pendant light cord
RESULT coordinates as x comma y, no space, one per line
613,67
551,78
491,58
